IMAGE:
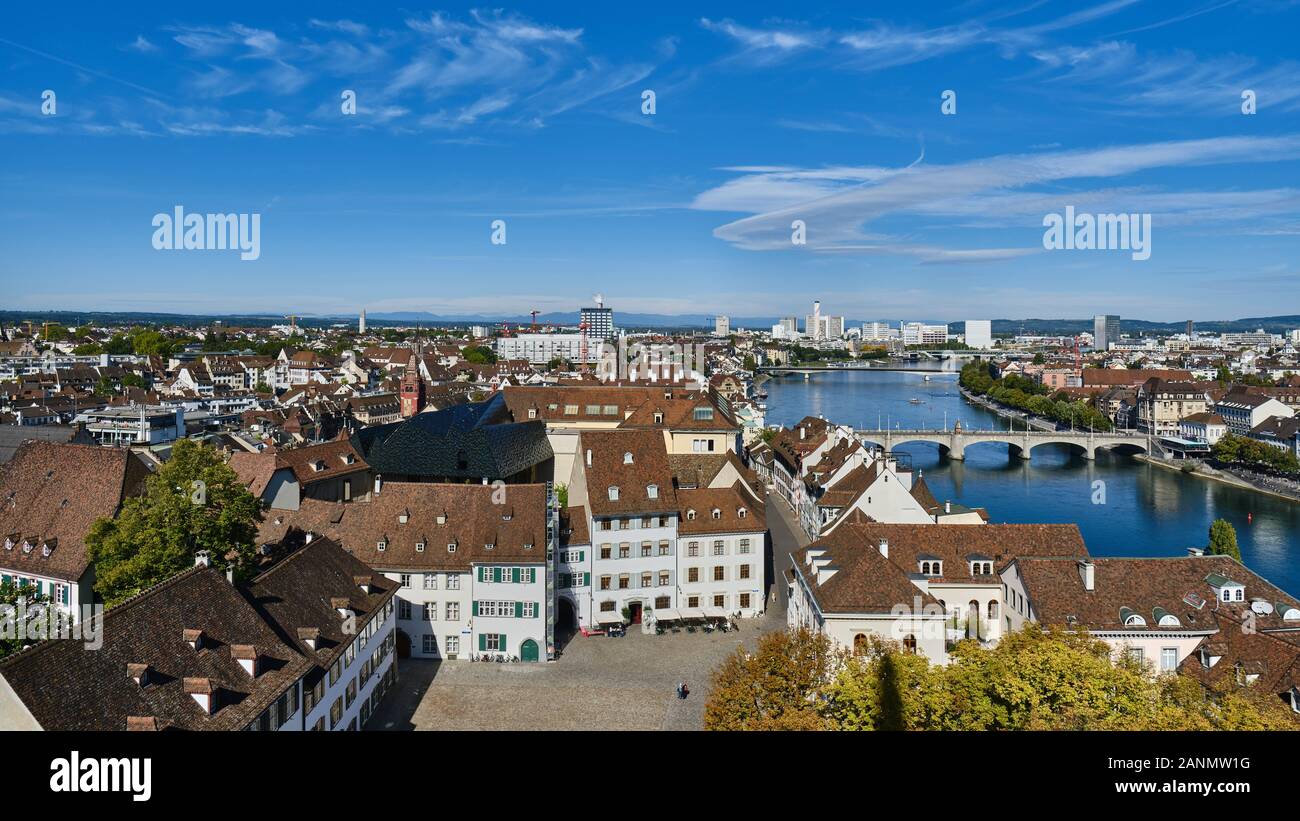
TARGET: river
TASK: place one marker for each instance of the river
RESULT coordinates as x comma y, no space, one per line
1146,510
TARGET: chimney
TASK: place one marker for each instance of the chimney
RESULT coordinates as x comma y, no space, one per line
1195,551
947,507
307,538
1086,572
379,481
588,457
803,432
246,655
230,573
202,691
202,559
309,636
884,548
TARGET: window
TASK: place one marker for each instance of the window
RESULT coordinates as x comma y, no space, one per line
613,493
693,549
403,611
652,491
453,581
744,601
647,549
717,514
530,610
744,547
719,573
429,645
692,601
663,578
430,581
993,610
624,550
624,581
646,579
692,574
604,582
453,611
336,712
605,524
690,514
570,410
607,606
704,414
719,547
381,545
909,644
452,643
719,600
627,458
431,611
742,513
664,548
744,571
351,692
1168,659
605,551
406,579
1137,654
492,641
662,602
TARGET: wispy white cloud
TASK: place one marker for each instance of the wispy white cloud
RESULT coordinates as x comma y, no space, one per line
837,203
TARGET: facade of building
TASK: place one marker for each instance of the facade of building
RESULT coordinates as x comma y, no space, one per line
721,325
599,321
1105,331
979,333
1242,411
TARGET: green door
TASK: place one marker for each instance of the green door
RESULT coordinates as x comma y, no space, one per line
528,651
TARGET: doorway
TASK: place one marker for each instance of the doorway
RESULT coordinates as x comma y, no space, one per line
634,612
528,651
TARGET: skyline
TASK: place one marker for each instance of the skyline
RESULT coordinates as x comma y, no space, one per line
533,116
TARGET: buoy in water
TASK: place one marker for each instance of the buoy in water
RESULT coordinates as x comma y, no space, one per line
1250,517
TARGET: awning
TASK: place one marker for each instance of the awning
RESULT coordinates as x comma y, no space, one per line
692,613
667,614
714,613
609,618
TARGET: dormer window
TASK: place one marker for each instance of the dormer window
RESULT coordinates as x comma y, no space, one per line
931,568
742,512
613,493
404,517
451,547
381,545
627,458
27,545
981,568
717,514
442,518
528,545
319,465
489,546
652,491
659,417
532,413
419,547
1129,618
704,414
690,514
48,547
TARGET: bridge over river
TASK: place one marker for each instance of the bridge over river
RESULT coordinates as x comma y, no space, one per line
953,443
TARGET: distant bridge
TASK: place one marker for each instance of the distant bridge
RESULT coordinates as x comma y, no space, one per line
1021,443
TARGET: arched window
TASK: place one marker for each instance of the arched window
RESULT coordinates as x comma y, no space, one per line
909,643
993,610
860,644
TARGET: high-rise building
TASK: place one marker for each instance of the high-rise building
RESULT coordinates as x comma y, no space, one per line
878,331
918,333
1105,331
721,325
979,333
599,320
790,327
1191,327
812,323
361,325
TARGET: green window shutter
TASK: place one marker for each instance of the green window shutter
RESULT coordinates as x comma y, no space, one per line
537,610
586,580
519,610
496,574
474,607
515,573
480,574
582,555
482,641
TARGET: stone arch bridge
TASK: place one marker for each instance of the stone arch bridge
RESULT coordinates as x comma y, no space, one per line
953,443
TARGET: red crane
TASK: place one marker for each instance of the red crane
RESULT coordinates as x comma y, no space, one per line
533,313
582,345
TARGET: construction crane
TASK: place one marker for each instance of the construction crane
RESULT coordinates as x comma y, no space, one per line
582,344
293,321
533,313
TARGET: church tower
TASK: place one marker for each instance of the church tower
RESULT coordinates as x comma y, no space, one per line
412,392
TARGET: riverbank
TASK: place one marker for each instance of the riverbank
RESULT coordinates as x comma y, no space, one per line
1204,471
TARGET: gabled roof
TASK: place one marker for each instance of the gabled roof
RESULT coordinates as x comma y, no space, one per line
51,491
610,467
469,441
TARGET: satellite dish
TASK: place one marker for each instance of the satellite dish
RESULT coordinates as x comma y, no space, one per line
1261,607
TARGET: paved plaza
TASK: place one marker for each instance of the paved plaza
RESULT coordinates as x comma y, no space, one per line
598,683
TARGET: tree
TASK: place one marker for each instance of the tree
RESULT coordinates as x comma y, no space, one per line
10,593
749,363
778,687
1039,359
479,355
194,502
1223,539
562,494
150,343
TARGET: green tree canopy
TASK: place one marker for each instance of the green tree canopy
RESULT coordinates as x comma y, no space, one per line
194,502
774,688
1223,539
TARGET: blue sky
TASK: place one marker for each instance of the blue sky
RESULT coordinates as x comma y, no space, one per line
764,114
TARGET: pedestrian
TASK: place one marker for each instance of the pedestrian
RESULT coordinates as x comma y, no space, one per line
686,691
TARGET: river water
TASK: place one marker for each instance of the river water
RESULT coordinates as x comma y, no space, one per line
1146,511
